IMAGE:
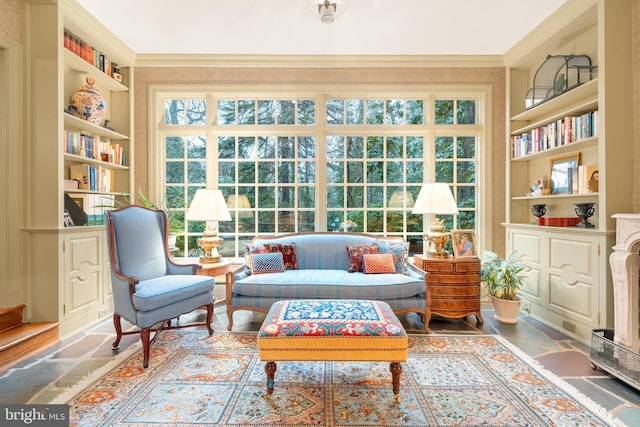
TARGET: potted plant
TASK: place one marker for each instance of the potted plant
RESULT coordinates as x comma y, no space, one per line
175,218
503,278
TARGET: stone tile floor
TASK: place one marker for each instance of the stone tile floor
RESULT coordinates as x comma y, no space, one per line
40,379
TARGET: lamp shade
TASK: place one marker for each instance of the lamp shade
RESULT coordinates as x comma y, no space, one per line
208,205
435,198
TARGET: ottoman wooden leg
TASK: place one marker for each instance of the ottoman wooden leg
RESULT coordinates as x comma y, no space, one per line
270,369
396,373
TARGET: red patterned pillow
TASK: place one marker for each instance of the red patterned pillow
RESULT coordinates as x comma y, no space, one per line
378,263
355,256
288,254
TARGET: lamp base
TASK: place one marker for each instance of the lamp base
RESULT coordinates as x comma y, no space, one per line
210,245
438,255
439,239
210,259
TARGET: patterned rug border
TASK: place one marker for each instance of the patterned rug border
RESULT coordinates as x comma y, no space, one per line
558,382
86,382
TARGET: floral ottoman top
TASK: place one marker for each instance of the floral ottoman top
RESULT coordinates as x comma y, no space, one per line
338,318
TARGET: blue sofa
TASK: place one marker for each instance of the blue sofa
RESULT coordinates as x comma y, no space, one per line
322,273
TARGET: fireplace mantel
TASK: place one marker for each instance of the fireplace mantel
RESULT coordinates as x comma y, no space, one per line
624,262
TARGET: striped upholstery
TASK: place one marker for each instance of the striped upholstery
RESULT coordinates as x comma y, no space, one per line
322,284
323,262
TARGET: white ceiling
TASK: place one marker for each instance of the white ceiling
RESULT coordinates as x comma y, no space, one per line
287,27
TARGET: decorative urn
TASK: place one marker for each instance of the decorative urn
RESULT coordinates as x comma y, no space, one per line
87,103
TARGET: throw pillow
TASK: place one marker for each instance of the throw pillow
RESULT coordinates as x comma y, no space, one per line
249,251
355,256
378,263
288,254
270,262
400,251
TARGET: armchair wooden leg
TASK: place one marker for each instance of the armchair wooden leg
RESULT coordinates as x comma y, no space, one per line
229,316
145,334
209,318
118,327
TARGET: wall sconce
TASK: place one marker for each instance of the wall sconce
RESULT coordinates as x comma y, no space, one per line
209,206
436,199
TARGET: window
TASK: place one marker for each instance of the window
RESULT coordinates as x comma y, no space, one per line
318,161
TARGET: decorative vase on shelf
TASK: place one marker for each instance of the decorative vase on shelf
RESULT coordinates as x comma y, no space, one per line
87,103
538,210
585,211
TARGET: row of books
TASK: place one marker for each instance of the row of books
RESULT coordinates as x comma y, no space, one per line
94,178
93,147
561,132
93,56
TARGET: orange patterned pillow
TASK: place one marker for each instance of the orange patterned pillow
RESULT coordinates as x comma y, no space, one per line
355,256
378,263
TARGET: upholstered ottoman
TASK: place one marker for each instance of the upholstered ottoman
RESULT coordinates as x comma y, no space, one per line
332,330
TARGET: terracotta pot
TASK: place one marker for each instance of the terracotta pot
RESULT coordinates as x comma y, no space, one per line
506,310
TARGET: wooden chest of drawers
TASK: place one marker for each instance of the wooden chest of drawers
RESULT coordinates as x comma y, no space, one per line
453,285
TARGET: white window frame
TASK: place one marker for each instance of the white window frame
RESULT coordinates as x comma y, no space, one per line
482,130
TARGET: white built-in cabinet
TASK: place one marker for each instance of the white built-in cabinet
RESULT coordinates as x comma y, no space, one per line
569,283
68,270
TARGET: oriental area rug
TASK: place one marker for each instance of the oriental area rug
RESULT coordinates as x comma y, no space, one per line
448,380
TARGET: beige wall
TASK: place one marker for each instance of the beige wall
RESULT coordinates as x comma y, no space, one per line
11,20
145,76
635,16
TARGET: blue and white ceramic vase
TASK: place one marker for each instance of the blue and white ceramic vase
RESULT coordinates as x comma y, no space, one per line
87,103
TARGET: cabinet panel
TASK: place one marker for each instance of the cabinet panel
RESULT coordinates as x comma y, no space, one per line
84,272
575,298
567,288
577,254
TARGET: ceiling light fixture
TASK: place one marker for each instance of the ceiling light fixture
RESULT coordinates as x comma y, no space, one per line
326,10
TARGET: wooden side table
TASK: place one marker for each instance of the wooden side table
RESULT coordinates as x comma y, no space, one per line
454,286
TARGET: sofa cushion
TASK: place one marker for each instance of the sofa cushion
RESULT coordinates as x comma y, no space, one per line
288,254
355,256
249,251
378,263
327,284
400,251
270,262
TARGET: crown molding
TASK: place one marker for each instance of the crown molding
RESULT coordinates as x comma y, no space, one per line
573,17
78,20
318,61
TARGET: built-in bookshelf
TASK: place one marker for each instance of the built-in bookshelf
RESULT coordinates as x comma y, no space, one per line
568,285
74,161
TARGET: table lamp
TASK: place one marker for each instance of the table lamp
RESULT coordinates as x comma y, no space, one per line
435,198
209,206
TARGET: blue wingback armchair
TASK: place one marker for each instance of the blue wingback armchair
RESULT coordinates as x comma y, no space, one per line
149,289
